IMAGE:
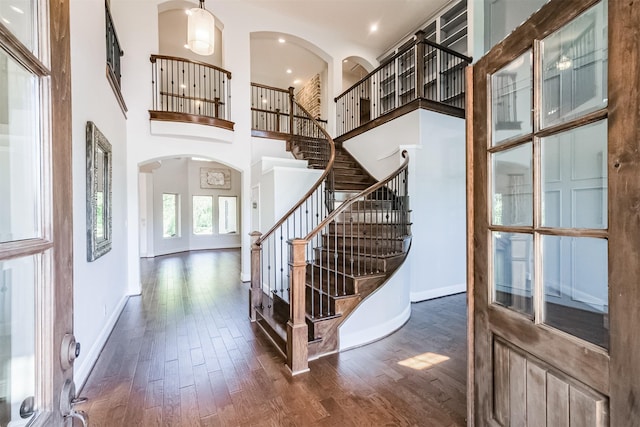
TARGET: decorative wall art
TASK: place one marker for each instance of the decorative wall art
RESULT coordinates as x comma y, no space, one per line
215,178
98,193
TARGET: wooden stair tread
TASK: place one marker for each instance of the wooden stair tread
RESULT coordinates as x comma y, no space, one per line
322,318
333,271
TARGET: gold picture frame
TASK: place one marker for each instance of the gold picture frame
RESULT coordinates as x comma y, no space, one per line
215,178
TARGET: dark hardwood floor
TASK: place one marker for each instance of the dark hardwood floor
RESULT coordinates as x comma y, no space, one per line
185,354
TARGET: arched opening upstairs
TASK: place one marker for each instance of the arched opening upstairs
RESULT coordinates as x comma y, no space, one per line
188,202
354,69
281,60
172,33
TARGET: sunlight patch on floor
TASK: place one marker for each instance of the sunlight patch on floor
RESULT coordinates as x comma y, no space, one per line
423,361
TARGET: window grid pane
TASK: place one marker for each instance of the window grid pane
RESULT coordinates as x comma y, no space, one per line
575,277
570,172
202,215
574,68
513,274
169,215
511,100
512,201
20,212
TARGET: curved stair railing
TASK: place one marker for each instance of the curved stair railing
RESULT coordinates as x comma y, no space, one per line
270,252
342,260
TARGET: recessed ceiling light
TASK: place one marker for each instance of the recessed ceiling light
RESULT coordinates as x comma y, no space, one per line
373,28
186,46
281,40
6,21
296,81
17,10
289,71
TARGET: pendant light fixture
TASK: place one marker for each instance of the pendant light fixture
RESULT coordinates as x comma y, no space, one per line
201,30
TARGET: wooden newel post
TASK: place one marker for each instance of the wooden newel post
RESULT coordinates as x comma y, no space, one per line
255,291
297,330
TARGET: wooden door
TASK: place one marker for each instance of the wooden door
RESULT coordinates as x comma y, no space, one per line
36,300
553,192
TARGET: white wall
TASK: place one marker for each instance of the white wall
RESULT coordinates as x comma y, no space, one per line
100,287
392,308
436,146
282,183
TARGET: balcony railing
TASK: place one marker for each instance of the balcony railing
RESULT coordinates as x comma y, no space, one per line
114,51
185,90
271,109
422,70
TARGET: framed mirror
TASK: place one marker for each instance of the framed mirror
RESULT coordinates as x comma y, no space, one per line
98,193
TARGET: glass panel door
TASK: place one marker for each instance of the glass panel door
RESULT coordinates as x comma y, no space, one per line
32,374
539,223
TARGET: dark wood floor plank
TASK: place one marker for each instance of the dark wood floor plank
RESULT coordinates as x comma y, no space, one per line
185,354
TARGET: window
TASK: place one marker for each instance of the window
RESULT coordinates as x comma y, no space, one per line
170,215
202,215
227,215
548,185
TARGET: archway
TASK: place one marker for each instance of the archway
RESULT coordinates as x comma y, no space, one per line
188,203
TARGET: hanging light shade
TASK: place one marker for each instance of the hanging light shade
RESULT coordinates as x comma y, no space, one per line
201,30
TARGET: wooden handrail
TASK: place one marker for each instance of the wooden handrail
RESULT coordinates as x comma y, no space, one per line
262,110
177,58
347,203
420,38
192,98
277,89
317,184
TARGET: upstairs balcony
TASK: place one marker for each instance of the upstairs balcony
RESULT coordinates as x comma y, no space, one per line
190,92
275,114
423,74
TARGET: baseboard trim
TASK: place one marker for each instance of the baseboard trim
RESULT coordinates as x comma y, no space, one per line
375,333
438,292
81,373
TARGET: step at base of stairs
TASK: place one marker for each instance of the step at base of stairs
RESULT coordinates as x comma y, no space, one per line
276,332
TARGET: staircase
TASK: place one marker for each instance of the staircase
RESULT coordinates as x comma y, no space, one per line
353,256
329,252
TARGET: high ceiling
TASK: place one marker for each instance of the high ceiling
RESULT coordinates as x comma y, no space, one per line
350,20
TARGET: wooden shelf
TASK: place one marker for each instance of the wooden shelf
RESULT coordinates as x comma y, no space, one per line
451,39
455,21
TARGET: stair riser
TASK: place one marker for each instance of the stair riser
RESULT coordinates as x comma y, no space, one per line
359,230
362,245
322,304
371,205
362,264
385,217
281,305
350,186
330,281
